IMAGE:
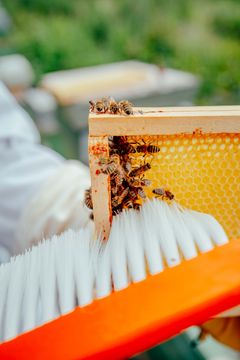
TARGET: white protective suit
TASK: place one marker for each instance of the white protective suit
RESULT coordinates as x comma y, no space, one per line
41,193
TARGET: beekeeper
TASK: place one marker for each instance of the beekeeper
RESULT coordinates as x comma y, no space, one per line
41,194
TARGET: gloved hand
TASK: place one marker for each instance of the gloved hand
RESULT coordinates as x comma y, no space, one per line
226,330
57,206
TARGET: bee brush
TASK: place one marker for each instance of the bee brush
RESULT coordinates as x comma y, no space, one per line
73,269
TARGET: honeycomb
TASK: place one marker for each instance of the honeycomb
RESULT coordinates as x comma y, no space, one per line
201,170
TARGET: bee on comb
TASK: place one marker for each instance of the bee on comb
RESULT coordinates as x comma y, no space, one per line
163,193
147,149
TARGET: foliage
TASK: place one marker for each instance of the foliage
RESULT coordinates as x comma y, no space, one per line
227,21
201,37
44,6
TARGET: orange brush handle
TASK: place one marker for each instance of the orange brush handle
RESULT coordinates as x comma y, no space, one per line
144,314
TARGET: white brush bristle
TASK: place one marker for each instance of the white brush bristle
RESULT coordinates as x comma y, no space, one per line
72,269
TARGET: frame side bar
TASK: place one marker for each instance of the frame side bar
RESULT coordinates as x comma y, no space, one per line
101,195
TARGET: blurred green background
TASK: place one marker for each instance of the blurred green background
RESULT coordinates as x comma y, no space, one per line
202,37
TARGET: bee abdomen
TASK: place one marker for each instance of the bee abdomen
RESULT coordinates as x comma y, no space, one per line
153,149
128,111
159,191
140,170
169,195
88,198
127,166
126,107
128,203
109,168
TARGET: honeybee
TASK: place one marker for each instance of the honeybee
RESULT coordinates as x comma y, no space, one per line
147,149
91,105
118,140
127,166
159,191
133,193
121,146
114,188
128,202
165,194
140,170
118,176
109,166
126,107
113,106
118,199
123,149
100,106
115,158
169,195
126,149
88,198
111,141
108,104
136,206
112,158
117,210
141,193
145,182
139,182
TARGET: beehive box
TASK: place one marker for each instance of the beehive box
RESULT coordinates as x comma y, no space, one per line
194,152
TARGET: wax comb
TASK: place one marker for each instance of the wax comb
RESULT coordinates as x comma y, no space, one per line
199,162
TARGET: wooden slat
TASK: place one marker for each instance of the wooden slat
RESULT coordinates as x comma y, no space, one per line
98,148
190,108
156,121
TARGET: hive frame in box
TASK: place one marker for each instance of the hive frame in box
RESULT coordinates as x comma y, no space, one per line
147,122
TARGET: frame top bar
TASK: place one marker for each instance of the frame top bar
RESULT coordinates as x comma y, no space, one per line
167,120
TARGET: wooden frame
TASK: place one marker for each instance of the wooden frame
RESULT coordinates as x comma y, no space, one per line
148,121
